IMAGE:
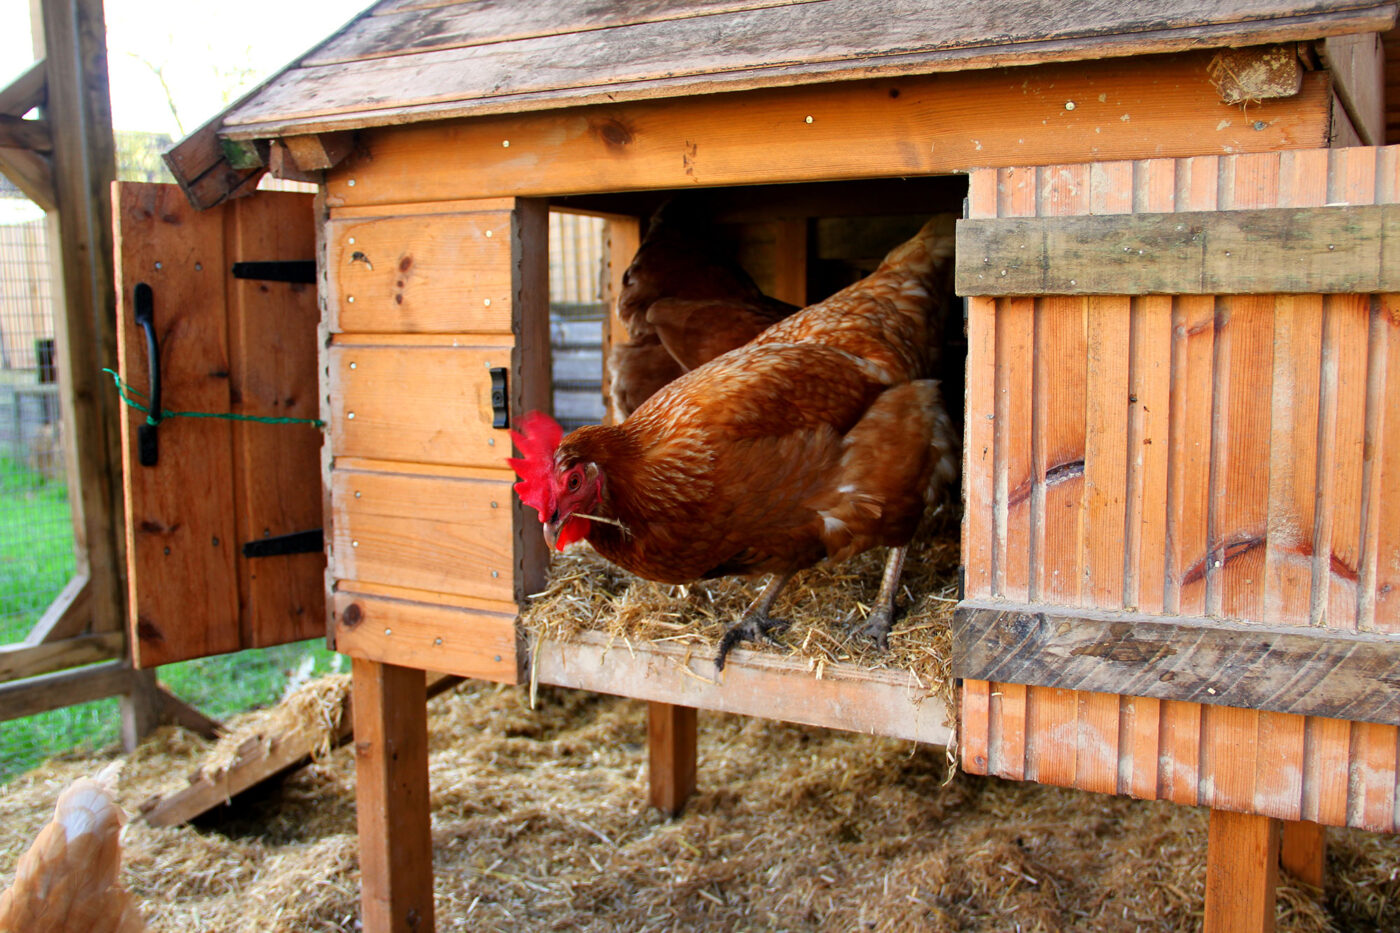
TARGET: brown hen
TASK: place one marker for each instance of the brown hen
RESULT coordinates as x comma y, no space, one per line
819,439
683,303
67,881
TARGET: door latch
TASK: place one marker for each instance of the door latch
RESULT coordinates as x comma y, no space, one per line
500,399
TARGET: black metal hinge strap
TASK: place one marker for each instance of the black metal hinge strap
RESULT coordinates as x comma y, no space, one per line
298,271
298,542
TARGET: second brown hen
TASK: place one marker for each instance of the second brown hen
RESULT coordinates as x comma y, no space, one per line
683,302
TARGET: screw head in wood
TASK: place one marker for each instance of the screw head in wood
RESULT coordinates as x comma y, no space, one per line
350,182
1069,105
809,119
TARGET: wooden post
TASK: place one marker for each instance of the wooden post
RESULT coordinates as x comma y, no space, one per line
391,773
671,755
624,236
1303,851
1241,872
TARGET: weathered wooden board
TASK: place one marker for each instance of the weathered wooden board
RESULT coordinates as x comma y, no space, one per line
406,27
226,346
431,273
429,403
753,683
405,630
865,129
1269,251
432,533
455,73
1357,63
272,342
1307,671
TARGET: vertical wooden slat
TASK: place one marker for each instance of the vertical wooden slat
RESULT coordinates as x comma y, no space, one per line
1373,457
1052,735
1294,418
1012,720
391,797
1193,351
1150,400
1014,386
1140,746
272,356
1385,614
1241,873
1278,783
1106,413
972,732
979,416
1371,783
1061,356
1179,770
624,235
1346,324
1096,758
1325,771
530,365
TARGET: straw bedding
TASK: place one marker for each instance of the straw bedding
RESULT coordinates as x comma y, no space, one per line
824,605
540,823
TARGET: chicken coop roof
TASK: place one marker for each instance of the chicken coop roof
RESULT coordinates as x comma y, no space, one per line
405,61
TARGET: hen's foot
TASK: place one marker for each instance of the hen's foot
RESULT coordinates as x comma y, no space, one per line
877,626
754,626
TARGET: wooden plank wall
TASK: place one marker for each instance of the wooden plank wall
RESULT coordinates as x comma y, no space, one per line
1234,456
423,301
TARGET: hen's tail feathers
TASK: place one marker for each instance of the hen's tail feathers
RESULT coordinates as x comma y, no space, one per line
68,878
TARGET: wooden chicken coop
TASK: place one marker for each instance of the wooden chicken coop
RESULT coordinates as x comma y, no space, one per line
1181,537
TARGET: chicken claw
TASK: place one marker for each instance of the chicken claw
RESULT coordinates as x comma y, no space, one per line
755,623
881,619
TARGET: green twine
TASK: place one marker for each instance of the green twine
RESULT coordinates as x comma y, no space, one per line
125,391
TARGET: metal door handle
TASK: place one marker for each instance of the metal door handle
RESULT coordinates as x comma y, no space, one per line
147,447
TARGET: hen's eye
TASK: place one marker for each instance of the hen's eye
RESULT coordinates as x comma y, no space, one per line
574,481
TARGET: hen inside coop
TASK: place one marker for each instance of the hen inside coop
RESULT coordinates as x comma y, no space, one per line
786,364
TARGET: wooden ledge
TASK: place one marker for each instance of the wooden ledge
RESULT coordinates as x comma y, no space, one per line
753,684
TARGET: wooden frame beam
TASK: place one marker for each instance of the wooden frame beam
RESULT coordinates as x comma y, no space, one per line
1241,873
17,133
1305,671
23,660
391,796
670,755
29,90
897,127
754,683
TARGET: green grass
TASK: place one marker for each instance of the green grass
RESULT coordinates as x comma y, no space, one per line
36,546
36,561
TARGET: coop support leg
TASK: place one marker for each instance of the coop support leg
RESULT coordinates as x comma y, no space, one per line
1241,872
391,797
671,755
1303,851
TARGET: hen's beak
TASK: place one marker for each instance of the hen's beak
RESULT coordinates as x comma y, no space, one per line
551,529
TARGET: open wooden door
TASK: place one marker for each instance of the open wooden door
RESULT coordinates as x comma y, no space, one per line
211,503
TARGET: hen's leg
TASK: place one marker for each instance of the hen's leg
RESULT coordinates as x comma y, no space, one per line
755,623
877,625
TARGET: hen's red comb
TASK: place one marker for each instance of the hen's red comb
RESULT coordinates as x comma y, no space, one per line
537,439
